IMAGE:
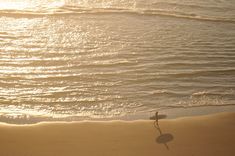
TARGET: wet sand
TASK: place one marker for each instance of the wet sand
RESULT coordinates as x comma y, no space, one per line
208,135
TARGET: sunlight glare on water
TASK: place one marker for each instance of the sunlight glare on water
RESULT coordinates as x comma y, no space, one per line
29,5
14,5
94,59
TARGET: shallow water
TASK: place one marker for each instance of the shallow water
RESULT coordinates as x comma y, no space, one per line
103,59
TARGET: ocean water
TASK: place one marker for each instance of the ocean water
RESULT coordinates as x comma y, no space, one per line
93,59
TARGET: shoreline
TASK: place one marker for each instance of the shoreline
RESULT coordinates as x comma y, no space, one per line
209,135
171,113
162,118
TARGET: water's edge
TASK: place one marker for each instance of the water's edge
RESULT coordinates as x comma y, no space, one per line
163,114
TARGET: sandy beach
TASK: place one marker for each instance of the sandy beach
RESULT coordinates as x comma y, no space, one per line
209,135
89,77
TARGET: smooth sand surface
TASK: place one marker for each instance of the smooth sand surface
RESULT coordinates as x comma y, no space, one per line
211,135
